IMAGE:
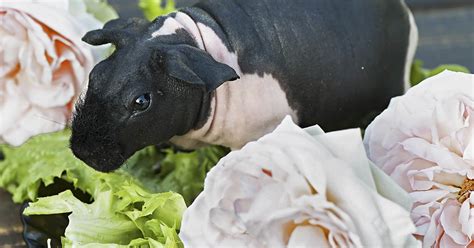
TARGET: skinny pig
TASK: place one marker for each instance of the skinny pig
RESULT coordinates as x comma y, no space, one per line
228,71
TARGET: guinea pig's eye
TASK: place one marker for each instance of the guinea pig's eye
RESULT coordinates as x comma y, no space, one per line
142,102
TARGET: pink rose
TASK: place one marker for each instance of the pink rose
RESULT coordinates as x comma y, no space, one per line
43,67
424,140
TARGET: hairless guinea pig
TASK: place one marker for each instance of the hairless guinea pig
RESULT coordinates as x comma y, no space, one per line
227,72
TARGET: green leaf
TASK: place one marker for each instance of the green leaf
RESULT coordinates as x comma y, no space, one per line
39,160
154,8
183,173
46,157
451,67
98,222
114,218
126,208
123,209
418,73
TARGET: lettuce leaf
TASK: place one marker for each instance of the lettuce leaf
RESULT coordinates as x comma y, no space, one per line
38,161
118,218
127,207
46,157
179,172
154,8
97,222
418,73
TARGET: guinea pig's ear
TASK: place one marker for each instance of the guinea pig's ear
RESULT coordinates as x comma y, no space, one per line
195,66
118,32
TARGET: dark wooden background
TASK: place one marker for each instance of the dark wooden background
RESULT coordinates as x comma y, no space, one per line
446,29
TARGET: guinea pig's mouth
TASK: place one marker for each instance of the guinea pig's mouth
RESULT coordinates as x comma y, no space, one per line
104,158
106,164
102,162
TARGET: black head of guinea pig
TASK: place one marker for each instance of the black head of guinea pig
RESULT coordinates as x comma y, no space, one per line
149,90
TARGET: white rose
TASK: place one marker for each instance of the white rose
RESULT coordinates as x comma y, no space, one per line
424,140
298,188
44,65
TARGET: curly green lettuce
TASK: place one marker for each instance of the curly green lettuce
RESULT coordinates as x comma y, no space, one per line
127,208
178,172
46,157
39,161
128,216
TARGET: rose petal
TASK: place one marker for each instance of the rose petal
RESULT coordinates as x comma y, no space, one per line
466,217
450,223
12,106
38,120
42,53
308,236
447,241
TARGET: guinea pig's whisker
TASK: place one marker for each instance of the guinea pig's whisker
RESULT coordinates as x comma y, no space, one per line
47,119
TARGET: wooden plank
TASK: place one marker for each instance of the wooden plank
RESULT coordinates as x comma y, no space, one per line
446,36
10,224
425,4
